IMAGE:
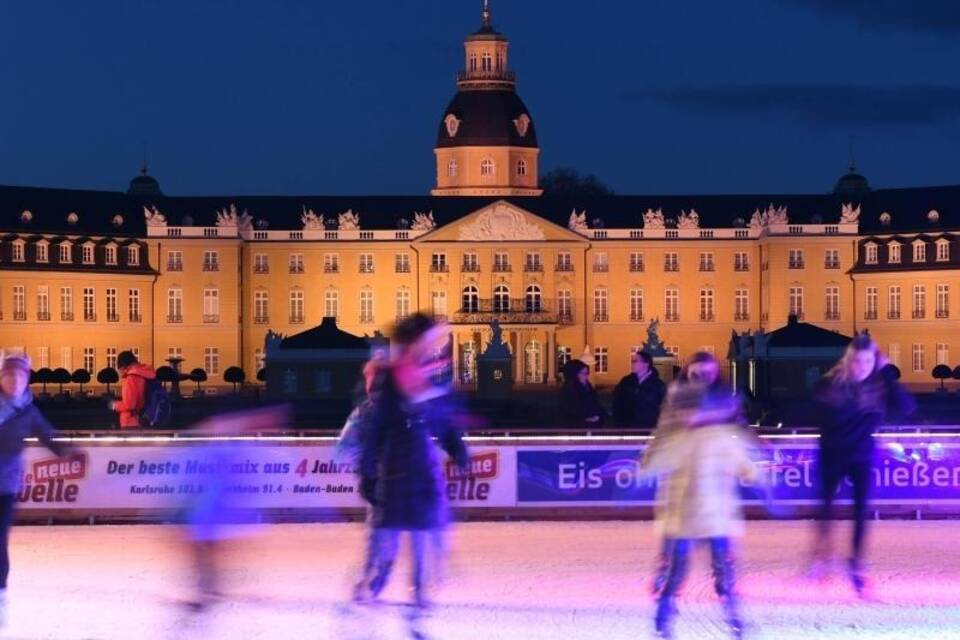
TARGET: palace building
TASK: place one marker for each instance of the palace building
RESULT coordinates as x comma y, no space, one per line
86,274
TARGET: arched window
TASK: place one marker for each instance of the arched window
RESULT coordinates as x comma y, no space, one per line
471,299
473,62
533,362
487,61
532,300
501,299
452,168
521,167
487,167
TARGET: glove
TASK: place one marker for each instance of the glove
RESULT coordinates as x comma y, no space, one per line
368,490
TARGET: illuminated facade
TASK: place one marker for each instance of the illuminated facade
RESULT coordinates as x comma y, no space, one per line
86,274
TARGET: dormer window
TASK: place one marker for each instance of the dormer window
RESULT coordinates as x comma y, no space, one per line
88,254
919,251
894,252
43,251
870,253
943,250
487,167
66,256
18,250
110,254
133,255
452,168
521,167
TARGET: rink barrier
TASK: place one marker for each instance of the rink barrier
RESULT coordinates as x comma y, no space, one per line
152,477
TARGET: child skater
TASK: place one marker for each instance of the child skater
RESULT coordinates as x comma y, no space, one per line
401,470
19,419
701,453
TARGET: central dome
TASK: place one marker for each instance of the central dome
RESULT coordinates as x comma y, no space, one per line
489,118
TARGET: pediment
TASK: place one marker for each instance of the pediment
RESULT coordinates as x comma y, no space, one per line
500,221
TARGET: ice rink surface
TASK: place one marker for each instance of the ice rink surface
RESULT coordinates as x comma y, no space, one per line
517,580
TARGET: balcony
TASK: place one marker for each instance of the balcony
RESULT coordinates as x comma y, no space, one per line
636,267
671,267
671,317
706,266
296,268
261,319
893,315
601,317
439,268
174,319
66,316
741,317
942,313
211,266
533,268
331,268
135,317
296,319
43,316
261,268
113,317
869,315
831,264
366,268
565,317
795,264
470,267
919,314
741,266
636,317
513,311
564,267
90,317
175,266
831,315
706,317
401,268
601,267
211,318
19,315
501,267
439,317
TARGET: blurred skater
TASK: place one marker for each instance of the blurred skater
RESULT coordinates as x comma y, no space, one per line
214,511
852,401
401,470
700,451
19,419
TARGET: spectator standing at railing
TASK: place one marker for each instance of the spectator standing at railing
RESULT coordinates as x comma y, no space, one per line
19,419
133,390
639,394
579,405
851,402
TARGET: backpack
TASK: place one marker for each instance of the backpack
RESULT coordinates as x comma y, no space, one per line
156,405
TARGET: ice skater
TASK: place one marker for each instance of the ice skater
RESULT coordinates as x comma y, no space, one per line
852,401
19,419
700,452
401,470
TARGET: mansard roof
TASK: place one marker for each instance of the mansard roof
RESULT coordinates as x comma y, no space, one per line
908,208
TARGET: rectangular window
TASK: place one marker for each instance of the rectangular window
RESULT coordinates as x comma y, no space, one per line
260,306
871,304
706,305
919,302
920,251
296,306
175,353
871,254
110,255
66,358
943,300
87,250
600,305
403,303
943,251
401,263
43,357
113,307
211,261
211,361
943,353
636,305
261,263
894,253
741,305
438,263
89,360
671,261
19,302
89,304
43,302
66,303
706,261
893,302
533,264
894,354
671,304
18,251
564,355
323,381
331,303
795,259
565,306
133,255
331,263
174,305
796,302
211,304
636,262
366,306
832,303
741,261
259,359
564,261
600,263
600,356
366,263
917,359
831,259
111,357
501,261
174,260
438,304
296,263
133,301
65,257
42,253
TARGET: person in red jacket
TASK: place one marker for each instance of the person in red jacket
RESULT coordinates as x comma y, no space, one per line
133,392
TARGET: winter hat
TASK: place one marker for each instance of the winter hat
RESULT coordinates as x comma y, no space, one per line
125,359
15,361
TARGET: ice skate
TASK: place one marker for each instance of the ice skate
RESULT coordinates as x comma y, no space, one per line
857,577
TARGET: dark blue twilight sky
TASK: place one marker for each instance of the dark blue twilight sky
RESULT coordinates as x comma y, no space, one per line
324,97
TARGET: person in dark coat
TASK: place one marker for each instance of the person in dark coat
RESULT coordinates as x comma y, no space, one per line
19,419
639,394
852,401
401,470
579,404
